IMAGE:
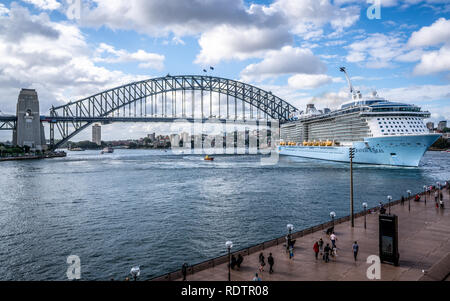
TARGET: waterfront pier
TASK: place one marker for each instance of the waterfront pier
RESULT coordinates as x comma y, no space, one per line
424,247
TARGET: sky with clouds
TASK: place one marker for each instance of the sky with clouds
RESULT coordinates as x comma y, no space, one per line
293,48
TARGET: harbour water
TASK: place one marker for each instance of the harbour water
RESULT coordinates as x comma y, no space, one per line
158,210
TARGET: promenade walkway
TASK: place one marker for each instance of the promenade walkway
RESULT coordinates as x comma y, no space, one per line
424,239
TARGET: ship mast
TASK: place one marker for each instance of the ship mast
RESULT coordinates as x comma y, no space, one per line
352,92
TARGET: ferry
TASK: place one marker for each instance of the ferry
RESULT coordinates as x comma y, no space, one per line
380,131
107,150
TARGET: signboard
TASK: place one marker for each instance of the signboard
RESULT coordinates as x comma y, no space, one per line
388,240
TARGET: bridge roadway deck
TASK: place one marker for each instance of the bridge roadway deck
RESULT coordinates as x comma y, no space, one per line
424,239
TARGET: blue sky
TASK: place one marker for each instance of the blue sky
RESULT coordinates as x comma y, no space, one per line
291,47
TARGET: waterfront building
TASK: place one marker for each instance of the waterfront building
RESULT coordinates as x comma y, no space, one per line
97,134
442,125
430,126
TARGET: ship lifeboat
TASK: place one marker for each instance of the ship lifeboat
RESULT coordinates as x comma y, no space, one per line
310,143
329,143
282,143
305,143
323,143
317,143
208,158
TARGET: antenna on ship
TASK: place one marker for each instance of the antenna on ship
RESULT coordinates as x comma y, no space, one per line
349,82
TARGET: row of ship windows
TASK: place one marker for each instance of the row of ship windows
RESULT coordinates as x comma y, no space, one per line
403,131
399,126
406,118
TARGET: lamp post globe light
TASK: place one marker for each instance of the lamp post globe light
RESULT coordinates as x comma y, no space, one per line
332,215
135,272
365,214
229,245
389,198
409,199
290,227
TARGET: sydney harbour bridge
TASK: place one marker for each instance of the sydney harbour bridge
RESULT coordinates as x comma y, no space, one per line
192,98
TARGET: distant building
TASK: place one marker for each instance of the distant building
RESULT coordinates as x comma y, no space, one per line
97,134
430,126
442,125
152,137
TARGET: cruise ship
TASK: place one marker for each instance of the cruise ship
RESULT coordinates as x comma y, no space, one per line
380,131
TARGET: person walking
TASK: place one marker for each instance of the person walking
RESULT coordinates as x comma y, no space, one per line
239,261
271,262
321,245
316,249
262,263
333,239
291,251
355,248
184,270
326,253
402,200
436,195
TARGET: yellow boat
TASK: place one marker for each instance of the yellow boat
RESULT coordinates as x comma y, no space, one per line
208,158
305,143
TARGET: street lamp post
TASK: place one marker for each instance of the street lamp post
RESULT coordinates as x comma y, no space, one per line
229,245
365,214
332,215
351,156
389,198
425,193
135,272
409,199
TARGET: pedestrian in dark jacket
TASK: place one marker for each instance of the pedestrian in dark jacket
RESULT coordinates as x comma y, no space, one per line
184,271
271,262
262,263
355,248
326,253
239,261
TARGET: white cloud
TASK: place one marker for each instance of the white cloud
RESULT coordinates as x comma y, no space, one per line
379,50
231,42
434,61
287,60
3,10
309,81
56,60
107,53
417,93
437,33
310,15
44,4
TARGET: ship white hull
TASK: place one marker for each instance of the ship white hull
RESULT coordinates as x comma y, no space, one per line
393,150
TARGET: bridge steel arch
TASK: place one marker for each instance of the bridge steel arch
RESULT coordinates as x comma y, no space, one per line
73,117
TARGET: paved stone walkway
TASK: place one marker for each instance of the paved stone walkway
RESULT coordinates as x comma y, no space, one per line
424,238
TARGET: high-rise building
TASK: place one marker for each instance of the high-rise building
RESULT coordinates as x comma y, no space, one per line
442,125
152,137
430,126
97,134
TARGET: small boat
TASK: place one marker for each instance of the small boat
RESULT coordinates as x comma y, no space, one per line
107,150
208,158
